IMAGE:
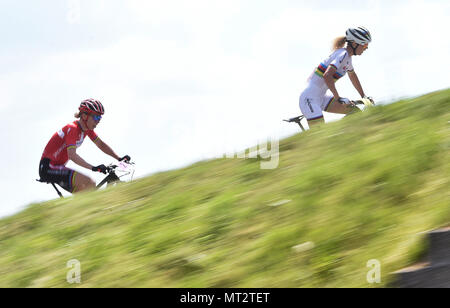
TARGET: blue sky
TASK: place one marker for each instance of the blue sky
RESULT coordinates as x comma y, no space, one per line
183,81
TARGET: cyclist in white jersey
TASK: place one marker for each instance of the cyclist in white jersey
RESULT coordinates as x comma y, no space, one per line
315,99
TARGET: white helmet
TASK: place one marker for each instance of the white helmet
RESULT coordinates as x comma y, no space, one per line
358,35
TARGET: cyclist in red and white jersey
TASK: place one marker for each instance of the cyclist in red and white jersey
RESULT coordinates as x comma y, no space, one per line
63,145
315,99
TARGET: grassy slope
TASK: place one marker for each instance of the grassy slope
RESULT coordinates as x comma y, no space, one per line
362,188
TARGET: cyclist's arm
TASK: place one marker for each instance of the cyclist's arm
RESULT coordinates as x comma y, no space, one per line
73,156
329,80
355,81
106,149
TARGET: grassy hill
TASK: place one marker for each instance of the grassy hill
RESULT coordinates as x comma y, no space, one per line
363,188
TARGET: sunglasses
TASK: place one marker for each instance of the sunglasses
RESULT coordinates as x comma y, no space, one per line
97,118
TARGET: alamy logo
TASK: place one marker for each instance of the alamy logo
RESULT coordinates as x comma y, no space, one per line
74,11
74,274
269,157
374,275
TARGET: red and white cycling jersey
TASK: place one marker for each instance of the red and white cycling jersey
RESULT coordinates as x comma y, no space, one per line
70,136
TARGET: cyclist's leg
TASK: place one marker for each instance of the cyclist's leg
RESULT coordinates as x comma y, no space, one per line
314,122
311,109
335,107
81,182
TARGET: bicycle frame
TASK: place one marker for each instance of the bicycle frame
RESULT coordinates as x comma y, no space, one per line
109,179
112,177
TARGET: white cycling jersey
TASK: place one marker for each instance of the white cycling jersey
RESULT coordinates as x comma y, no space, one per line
340,60
314,98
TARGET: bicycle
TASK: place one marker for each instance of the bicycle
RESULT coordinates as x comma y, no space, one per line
111,179
362,104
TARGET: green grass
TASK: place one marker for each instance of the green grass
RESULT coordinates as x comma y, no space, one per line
363,188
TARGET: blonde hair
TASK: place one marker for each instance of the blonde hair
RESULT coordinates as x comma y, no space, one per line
78,114
339,42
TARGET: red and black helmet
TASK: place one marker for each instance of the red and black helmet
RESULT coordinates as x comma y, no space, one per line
92,106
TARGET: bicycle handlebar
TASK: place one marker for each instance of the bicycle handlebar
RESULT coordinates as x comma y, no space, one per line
111,168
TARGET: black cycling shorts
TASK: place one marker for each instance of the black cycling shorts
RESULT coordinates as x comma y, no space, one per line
60,175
